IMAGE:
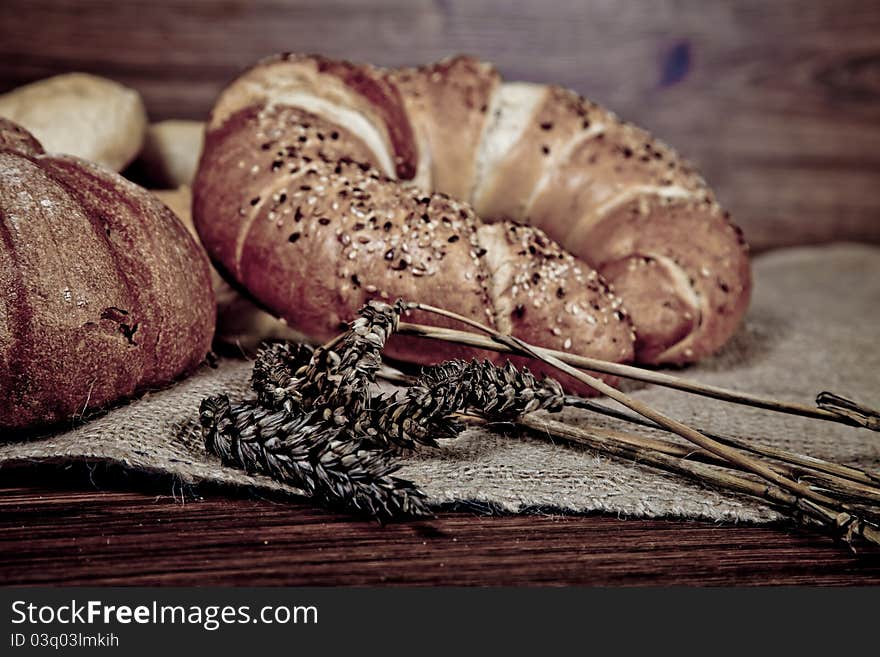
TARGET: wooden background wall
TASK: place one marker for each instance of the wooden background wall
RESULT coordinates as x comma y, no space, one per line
778,102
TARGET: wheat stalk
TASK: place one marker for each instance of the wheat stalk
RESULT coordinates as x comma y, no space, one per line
316,425
697,471
831,407
803,465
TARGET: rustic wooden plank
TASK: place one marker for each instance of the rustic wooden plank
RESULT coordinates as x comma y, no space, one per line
73,535
777,102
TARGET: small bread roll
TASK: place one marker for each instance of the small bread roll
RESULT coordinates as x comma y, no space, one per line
79,114
239,321
171,152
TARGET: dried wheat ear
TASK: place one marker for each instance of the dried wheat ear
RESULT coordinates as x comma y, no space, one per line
318,424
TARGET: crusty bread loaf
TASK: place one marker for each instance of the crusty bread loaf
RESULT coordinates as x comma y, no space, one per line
307,160
105,292
83,115
171,152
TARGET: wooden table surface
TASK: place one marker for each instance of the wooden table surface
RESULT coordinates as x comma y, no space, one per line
93,528
778,103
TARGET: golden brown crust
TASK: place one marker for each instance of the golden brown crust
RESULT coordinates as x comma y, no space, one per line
378,246
631,207
358,89
700,250
594,159
373,87
448,104
261,150
628,205
319,231
111,300
327,233
544,295
506,188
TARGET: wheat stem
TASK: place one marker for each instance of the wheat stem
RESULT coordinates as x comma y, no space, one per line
807,464
700,472
866,418
839,523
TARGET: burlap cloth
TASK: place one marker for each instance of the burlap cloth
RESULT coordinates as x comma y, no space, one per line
813,325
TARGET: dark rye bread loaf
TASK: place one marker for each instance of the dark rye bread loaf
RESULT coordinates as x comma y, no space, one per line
103,293
308,192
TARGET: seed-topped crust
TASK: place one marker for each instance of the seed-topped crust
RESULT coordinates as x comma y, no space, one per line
705,271
360,91
545,295
312,230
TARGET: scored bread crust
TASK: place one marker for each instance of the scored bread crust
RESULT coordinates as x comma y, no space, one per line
106,294
622,202
349,94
